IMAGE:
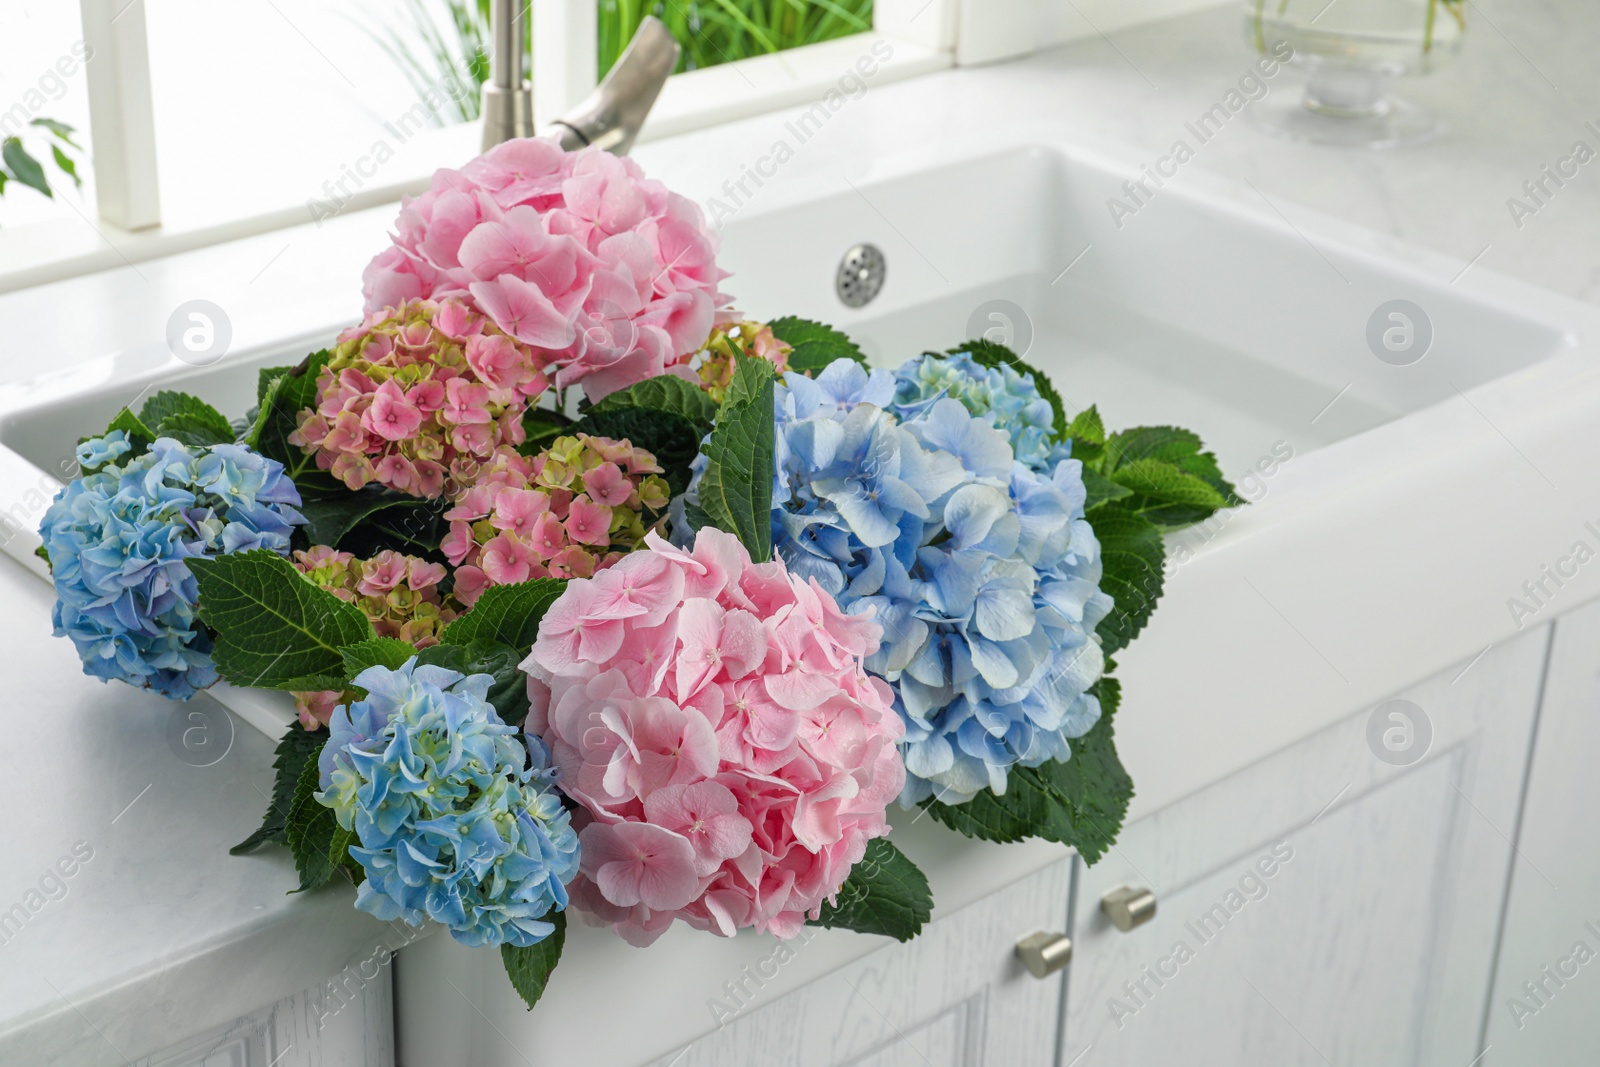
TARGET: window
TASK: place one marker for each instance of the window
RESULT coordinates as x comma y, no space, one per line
42,55
216,120
713,32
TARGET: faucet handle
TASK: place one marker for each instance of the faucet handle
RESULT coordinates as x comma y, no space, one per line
612,115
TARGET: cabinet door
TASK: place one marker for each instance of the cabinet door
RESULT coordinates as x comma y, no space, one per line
954,997
1335,905
1546,1004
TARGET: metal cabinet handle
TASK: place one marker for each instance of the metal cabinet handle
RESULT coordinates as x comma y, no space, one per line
1044,954
1129,906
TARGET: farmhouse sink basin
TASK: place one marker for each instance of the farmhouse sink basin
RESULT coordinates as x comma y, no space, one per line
1399,424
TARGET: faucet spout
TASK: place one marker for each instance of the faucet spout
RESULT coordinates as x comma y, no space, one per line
611,116
507,95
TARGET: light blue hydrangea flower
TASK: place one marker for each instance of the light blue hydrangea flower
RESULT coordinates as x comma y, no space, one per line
1008,401
117,539
455,812
982,570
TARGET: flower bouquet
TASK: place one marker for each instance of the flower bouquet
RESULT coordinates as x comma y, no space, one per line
594,594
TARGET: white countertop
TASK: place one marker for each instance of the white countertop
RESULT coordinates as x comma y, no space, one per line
97,973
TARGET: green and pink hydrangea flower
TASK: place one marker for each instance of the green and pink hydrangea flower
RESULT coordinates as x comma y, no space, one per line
570,511
419,398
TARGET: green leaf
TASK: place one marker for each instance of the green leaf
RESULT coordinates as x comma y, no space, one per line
168,403
1101,490
1159,480
388,652
736,489
665,392
815,345
332,513
671,438
1133,559
406,524
1080,802
287,392
320,845
508,614
993,354
541,427
1171,500
275,628
130,424
295,749
509,691
885,894
529,968
1086,428
24,168
68,167
60,129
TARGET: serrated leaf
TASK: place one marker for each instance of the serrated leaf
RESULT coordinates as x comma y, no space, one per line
529,968
1159,480
1101,490
320,845
409,525
509,691
294,750
333,513
815,345
195,430
672,438
274,626
130,424
508,614
388,652
286,395
24,168
885,894
1087,427
169,403
665,392
992,354
1170,443
1170,502
1079,802
1133,559
736,489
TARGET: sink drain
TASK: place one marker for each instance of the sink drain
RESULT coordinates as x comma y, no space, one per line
860,276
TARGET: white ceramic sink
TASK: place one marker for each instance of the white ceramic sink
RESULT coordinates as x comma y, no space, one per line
1193,312
1394,506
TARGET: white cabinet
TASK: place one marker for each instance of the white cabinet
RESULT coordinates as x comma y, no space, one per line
1545,1008
954,997
1325,906
1337,904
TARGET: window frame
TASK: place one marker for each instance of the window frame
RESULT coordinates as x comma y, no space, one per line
127,184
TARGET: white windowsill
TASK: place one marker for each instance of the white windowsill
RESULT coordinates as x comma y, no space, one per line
63,248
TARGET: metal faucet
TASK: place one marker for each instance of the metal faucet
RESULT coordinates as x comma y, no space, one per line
609,118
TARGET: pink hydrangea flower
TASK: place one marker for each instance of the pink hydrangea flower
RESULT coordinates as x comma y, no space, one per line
607,274
420,398
712,717
398,594
573,509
